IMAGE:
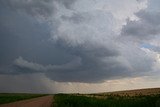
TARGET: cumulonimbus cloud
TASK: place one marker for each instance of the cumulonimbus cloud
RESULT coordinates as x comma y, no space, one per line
84,40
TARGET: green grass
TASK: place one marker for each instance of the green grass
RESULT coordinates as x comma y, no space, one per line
11,97
66,100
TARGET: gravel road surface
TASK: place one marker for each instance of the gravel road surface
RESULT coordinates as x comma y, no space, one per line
45,101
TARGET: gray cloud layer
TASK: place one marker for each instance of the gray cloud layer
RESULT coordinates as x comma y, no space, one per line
146,28
42,8
69,45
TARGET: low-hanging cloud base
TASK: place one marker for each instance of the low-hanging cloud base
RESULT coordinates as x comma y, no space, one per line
78,41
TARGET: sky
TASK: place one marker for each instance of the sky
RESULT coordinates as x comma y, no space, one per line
79,46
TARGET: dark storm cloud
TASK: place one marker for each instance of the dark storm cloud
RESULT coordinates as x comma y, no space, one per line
26,45
22,35
85,62
88,66
145,28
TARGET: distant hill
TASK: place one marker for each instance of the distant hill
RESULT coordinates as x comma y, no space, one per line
136,92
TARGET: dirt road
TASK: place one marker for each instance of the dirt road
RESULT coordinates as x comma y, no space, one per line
45,101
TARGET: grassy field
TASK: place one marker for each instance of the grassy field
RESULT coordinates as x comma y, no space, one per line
133,98
12,97
64,100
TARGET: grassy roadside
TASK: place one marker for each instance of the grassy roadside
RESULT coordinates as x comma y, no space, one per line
68,100
12,97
